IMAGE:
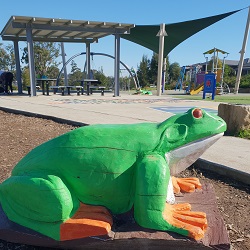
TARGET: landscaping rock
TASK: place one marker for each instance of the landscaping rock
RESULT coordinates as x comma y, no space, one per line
236,116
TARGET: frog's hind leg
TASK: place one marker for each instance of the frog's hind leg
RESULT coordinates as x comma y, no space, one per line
46,205
39,203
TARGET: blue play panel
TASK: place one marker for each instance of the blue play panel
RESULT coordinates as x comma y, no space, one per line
178,110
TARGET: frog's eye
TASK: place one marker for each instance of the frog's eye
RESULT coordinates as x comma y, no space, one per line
197,113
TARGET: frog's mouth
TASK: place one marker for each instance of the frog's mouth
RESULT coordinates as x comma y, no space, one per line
181,158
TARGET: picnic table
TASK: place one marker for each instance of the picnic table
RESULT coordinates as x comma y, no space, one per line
43,82
91,85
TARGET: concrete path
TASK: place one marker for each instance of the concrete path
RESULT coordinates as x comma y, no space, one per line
229,156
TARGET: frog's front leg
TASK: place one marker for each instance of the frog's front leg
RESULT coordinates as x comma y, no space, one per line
45,204
150,207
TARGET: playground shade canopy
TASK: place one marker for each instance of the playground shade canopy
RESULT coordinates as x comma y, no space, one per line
146,35
60,30
211,51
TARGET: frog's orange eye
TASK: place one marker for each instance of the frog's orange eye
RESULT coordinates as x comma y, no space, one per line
197,113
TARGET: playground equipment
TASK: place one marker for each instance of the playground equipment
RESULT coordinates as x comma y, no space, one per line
209,85
219,72
180,78
189,74
130,71
197,90
196,77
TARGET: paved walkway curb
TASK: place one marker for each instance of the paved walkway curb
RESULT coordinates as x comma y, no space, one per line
48,117
223,170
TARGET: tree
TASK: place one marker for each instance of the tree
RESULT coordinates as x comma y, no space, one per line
11,58
210,64
142,72
26,76
174,71
75,74
7,59
148,70
153,69
100,76
45,55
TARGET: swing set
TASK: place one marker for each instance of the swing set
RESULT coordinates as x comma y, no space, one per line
131,71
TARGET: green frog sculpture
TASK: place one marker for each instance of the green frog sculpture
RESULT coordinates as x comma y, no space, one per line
69,187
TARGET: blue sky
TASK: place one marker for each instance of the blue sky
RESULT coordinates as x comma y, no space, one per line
226,34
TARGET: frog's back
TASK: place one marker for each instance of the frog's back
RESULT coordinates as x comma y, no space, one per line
92,147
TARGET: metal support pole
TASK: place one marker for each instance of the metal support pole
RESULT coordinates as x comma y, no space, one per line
206,65
223,71
162,33
117,65
213,62
64,61
217,59
18,68
31,60
164,73
243,50
88,68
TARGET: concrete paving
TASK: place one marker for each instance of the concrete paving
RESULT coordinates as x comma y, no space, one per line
229,156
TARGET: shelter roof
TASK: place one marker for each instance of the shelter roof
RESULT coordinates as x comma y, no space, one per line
211,51
60,30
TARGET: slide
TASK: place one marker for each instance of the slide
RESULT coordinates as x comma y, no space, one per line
197,90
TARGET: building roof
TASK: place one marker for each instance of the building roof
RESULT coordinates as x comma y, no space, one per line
60,30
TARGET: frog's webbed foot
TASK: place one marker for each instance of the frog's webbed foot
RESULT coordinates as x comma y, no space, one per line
180,216
185,184
87,221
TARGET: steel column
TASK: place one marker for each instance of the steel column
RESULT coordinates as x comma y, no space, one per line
88,68
18,68
65,68
117,65
162,33
31,60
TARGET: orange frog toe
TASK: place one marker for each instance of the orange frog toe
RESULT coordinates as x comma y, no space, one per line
180,216
186,184
87,221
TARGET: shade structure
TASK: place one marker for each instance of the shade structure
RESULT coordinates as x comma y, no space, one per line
145,35
211,51
60,30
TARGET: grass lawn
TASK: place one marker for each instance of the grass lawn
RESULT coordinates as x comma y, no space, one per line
227,98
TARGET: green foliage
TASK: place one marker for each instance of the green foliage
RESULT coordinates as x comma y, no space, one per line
174,72
210,64
148,70
45,55
3,57
26,77
228,71
153,68
244,134
7,58
75,75
245,81
100,76
143,72
52,72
